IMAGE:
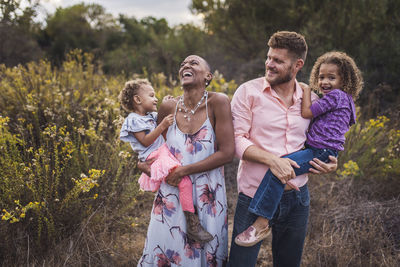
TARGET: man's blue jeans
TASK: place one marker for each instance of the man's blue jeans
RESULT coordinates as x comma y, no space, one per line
269,192
289,226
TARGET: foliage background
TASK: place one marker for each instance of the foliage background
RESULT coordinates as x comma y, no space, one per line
68,190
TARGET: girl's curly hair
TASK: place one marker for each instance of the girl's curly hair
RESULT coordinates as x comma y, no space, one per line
130,89
352,79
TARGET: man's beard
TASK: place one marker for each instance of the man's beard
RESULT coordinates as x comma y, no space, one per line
280,80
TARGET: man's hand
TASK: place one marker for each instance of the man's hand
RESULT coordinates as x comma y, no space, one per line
322,167
282,168
144,166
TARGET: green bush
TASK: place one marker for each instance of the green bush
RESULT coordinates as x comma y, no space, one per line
372,151
60,155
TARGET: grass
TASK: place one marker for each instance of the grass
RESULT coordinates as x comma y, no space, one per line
346,228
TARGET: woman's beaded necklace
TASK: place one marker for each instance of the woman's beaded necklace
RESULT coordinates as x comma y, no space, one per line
189,113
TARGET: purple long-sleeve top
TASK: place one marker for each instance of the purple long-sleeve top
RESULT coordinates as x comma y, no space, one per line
333,115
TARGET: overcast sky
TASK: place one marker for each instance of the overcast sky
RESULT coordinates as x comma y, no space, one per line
175,11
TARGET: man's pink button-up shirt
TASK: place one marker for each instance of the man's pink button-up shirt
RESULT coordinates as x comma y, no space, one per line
260,118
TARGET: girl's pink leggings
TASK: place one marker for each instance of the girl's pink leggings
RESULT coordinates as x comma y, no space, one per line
186,194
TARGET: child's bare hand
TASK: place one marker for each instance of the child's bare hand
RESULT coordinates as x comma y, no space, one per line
167,121
304,86
167,97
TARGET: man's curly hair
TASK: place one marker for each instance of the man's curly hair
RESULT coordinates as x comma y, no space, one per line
349,73
130,89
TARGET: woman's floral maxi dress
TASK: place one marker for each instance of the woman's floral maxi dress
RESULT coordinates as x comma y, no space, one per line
166,242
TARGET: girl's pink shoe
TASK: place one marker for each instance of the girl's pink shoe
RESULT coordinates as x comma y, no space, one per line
249,237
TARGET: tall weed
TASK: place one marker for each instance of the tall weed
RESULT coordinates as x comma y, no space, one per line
60,156
372,152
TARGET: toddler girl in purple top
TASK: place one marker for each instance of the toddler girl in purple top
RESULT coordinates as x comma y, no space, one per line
337,77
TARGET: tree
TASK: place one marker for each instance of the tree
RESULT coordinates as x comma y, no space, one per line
368,30
86,27
18,43
243,28
152,45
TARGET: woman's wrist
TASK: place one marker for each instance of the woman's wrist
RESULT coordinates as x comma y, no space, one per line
183,171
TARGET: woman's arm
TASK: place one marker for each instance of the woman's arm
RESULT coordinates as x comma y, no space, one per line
221,109
306,102
167,108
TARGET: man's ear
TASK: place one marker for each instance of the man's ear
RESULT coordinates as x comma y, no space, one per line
137,99
299,64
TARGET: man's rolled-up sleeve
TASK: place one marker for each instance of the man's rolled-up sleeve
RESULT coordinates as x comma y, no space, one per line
242,120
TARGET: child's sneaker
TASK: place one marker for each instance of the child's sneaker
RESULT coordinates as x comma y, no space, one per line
250,237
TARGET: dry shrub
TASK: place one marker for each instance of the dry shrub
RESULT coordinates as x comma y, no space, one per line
347,228
349,224
108,237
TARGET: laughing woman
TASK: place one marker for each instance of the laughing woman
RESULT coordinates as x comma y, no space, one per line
201,137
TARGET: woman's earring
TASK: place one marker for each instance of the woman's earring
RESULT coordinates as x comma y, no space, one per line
207,82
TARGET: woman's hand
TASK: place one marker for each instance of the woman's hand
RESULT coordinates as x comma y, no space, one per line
322,167
175,177
144,166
